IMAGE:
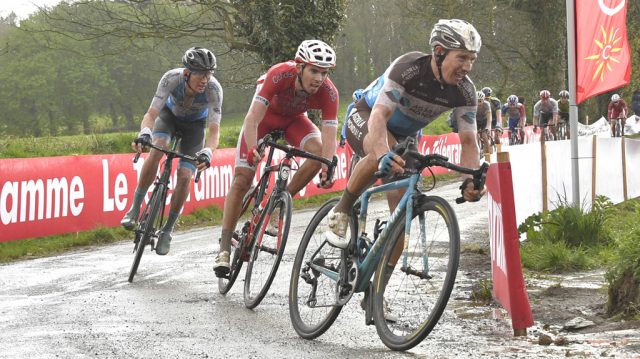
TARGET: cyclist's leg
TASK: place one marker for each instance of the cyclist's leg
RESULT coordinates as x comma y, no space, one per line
242,180
162,130
302,133
623,121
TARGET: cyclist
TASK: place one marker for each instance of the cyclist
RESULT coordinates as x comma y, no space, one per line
516,115
357,94
617,110
496,113
483,125
414,90
545,110
563,111
188,100
282,97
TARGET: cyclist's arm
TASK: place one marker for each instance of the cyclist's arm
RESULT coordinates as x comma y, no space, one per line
254,116
328,131
499,117
523,117
610,111
213,140
470,153
488,117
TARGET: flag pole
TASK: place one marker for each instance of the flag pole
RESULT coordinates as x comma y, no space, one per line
573,107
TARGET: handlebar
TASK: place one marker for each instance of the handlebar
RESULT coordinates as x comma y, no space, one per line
170,153
270,140
479,175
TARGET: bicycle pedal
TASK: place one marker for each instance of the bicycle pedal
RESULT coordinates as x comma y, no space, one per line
222,273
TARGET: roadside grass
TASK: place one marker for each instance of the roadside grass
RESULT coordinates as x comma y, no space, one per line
570,239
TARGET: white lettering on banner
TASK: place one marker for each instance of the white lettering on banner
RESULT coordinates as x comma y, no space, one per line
214,182
450,151
53,200
496,234
342,166
120,190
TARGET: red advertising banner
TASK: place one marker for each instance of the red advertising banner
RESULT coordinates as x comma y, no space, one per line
602,49
506,268
54,195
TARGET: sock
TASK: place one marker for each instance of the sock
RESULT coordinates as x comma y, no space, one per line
225,240
138,196
171,221
346,202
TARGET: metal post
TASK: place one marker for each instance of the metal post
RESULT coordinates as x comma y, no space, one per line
573,107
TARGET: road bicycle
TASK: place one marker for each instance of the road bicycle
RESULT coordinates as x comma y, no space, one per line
255,243
562,131
618,129
515,136
481,143
547,134
415,284
152,217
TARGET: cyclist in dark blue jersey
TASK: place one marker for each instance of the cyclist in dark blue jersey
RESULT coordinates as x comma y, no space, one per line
411,93
188,100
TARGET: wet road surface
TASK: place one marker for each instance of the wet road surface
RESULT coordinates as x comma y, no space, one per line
80,304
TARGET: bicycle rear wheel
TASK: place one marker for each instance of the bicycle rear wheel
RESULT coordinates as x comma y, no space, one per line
417,288
267,249
146,229
314,278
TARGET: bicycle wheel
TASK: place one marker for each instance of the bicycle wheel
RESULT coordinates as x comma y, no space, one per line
417,288
314,278
237,244
146,228
618,132
267,249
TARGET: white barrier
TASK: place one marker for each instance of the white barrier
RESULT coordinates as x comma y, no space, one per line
608,175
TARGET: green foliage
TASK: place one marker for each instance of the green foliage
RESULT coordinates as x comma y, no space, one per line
567,238
276,28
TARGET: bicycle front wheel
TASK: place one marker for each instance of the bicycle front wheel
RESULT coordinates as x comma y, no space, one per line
412,291
314,279
146,228
268,248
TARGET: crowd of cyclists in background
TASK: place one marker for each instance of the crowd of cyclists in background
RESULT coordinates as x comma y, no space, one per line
550,116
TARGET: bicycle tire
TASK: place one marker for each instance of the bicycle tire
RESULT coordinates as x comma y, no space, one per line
266,251
309,316
430,276
618,134
237,243
147,228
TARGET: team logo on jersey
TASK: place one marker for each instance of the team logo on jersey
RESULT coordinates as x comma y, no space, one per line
394,95
283,75
410,72
332,93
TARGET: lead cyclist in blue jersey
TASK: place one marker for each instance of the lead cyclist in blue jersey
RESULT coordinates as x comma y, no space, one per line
188,100
411,93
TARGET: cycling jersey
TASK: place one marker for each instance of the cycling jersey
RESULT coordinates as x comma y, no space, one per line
514,114
617,109
204,106
496,106
563,106
410,89
277,91
286,110
550,106
481,116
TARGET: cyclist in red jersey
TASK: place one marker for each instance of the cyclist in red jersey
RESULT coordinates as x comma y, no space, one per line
617,110
282,97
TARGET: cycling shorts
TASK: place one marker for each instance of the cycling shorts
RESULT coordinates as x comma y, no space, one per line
564,117
357,128
166,125
545,117
513,123
298,129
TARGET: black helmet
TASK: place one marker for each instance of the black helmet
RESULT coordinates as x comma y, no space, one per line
199,59
487,91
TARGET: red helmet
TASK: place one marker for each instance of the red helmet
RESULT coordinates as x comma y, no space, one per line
544,94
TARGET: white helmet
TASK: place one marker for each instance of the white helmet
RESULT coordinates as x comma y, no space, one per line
455,34
317,53
480,95
615,98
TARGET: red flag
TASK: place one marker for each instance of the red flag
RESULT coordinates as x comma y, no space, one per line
603,57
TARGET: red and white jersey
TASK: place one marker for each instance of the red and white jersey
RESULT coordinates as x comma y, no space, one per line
276,89
617,109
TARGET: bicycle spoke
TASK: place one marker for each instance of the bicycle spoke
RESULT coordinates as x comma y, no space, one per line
419,284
